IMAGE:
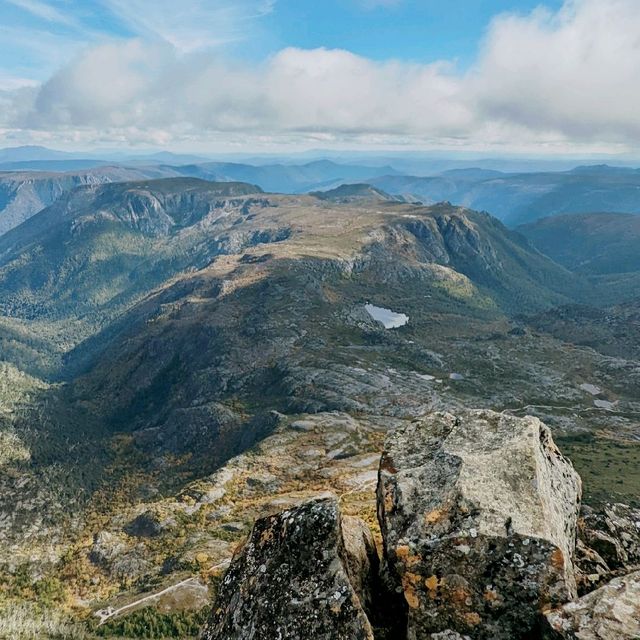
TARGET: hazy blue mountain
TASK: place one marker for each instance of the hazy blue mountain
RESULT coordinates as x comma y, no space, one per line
354,192
523,197
29,153
285,178
163,157
73,164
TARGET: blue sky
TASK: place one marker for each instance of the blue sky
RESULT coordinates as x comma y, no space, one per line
556,76
421,30
38,36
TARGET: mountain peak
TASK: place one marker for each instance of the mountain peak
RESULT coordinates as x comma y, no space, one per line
353,192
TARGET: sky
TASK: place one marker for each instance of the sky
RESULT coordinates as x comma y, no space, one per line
510,76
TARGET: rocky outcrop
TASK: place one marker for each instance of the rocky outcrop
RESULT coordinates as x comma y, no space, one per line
609,613
479,518
608,544
23,194
304,573
478,514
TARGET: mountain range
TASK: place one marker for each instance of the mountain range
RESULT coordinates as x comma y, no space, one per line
180,355
592,243
33,177
525,197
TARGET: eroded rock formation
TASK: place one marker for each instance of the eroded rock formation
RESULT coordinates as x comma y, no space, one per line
608,545
609,613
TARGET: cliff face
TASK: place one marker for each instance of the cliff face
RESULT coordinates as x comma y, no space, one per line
24,193
478,514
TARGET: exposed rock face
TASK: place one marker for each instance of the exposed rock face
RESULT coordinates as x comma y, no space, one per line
23,194
608,545
614,533
478,514
118,560
298,576
609,613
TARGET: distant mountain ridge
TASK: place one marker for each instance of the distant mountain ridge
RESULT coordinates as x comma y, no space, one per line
24,193
514,198
523,197
592,243
283,178
354,192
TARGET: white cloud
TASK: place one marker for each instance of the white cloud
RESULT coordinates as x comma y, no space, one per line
544,80
136,84
576,72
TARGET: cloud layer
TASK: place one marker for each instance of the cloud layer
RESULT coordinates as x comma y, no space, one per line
562,79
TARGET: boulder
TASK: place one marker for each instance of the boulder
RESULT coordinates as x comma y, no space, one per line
614,532
611,612
608,545
478,515
145,525
301,575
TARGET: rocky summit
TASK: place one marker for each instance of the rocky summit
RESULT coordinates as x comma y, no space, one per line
478,513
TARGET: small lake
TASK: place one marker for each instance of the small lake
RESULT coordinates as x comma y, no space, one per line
390,319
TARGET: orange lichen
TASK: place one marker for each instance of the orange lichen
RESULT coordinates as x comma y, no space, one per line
411,597
432,583
472,619
434,516
490,595
459,596
557,559
403,552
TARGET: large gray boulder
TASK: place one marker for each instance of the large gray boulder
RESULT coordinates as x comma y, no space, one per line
478,514
609,613
301,575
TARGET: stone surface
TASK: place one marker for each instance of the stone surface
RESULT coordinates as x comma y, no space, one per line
478,514
591,569
609,613
614,532
298,576
608,545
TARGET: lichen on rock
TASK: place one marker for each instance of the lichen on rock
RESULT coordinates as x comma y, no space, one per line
609,613
297,579
478,514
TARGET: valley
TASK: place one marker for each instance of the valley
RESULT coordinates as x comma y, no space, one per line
181,357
